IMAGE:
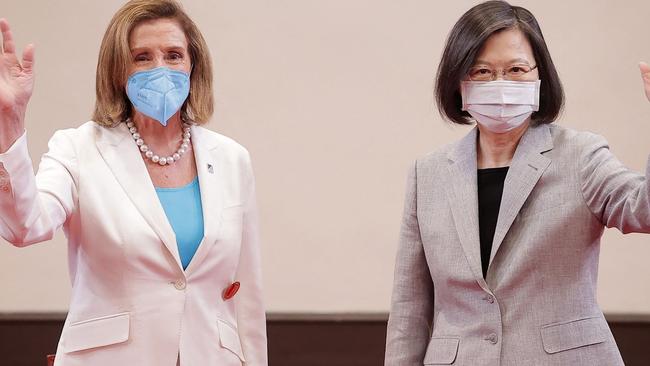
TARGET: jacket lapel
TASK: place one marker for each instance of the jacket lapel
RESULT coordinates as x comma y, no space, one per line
462,192
527,166
123,158
211,177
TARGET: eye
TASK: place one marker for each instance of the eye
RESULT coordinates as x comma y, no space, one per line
140,57
480,71
518,69
175,56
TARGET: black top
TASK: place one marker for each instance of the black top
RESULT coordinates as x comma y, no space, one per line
490,190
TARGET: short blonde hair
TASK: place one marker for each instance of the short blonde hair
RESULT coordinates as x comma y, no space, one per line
112,105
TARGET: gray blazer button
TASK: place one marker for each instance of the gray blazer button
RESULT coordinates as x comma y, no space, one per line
492,338
179,284
489,298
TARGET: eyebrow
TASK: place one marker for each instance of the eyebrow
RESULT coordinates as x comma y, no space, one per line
168,47
513,61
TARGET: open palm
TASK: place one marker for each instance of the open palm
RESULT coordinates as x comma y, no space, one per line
16,77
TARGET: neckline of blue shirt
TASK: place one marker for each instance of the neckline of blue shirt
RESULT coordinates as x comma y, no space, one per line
189,185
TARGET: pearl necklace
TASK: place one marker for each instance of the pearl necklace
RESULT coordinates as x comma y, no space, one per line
150,154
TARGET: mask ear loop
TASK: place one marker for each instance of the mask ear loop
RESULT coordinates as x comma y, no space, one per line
184,116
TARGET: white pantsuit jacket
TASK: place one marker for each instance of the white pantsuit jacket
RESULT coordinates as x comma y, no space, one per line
537,305
132,303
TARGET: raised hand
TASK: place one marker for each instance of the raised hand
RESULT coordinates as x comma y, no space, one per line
16,85
645,74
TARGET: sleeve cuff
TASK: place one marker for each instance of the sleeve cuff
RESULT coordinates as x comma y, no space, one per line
13,158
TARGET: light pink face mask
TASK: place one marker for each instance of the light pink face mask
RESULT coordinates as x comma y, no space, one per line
500,105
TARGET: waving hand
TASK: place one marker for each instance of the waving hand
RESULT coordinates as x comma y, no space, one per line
16,85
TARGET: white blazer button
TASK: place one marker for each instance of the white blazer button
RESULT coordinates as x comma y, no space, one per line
179,285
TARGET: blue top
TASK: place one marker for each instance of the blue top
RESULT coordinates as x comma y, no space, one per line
184,211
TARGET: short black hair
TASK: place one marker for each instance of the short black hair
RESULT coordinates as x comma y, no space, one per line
465,42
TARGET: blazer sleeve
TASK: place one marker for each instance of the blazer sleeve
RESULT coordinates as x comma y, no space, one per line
617,196
251,316
411,312
33,207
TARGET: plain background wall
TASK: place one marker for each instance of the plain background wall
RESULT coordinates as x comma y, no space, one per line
334,101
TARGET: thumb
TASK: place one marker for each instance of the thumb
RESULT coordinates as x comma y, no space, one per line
645,70
28,58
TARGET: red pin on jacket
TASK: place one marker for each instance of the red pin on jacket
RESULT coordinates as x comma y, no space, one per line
230,292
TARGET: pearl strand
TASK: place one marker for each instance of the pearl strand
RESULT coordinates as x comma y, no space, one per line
144,148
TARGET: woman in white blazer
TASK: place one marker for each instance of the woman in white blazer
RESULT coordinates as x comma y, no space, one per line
498,254
159,213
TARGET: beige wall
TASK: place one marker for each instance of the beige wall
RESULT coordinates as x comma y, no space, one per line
333,99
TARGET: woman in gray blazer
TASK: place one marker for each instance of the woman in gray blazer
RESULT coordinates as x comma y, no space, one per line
498,254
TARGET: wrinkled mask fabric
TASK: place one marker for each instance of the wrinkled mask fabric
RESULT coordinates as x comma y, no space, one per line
158,93
500,105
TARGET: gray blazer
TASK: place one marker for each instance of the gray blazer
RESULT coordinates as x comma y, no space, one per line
537,305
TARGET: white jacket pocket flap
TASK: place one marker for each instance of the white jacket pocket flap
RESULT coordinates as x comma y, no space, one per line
564,336
96,332
441,351
229,339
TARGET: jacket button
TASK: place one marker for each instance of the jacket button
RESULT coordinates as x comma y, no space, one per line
492,338
179,284
489,298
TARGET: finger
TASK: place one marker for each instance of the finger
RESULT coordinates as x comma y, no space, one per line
645,73
645,70
28,58
7,38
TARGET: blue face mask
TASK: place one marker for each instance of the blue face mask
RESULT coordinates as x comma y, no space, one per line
158,93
